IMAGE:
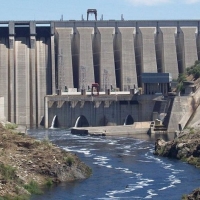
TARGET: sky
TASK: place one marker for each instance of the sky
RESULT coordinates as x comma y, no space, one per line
110,9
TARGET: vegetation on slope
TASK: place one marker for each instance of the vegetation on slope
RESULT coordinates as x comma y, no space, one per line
27,165
193,72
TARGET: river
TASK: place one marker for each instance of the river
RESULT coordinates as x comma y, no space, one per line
123,168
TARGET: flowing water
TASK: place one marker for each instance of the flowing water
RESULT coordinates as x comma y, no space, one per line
123,168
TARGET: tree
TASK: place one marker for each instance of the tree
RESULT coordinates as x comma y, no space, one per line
194,70
181,79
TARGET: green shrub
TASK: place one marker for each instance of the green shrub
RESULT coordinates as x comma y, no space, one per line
184,197
11,126
194,69
7,172
33,188
180,80
47,143
49,182
20,133
69,160
21,197
37,142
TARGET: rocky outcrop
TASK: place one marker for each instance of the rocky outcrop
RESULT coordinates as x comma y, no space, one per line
24,160
185,147
195,195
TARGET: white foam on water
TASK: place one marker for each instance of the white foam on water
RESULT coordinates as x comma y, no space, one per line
102,161
84,151
145,161
172,182
111,194
151,194
112,143
125,170
170,167
128,172
101,158
120,147
127,147
139,185
131,187
167,166
138,175
127,154
167,187
119,168
143,148
119,198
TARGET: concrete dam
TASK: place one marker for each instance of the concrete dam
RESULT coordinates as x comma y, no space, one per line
37,58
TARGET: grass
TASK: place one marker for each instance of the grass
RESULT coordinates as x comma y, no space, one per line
69,160
21,197
33,188
11,126
49,182
184,197
7,172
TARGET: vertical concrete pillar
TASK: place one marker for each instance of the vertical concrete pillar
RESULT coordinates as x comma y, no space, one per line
4,75
46,114
42,69
147,49
11,64
33,108
64,58
125,58
86,66
166,51
190,55
105,36
52,57
22,75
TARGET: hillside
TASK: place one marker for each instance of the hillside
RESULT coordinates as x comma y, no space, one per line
26,165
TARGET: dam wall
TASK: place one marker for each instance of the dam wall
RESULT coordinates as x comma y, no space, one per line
39,58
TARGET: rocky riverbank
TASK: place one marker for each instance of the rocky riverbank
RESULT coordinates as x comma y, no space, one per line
185,147
27,165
